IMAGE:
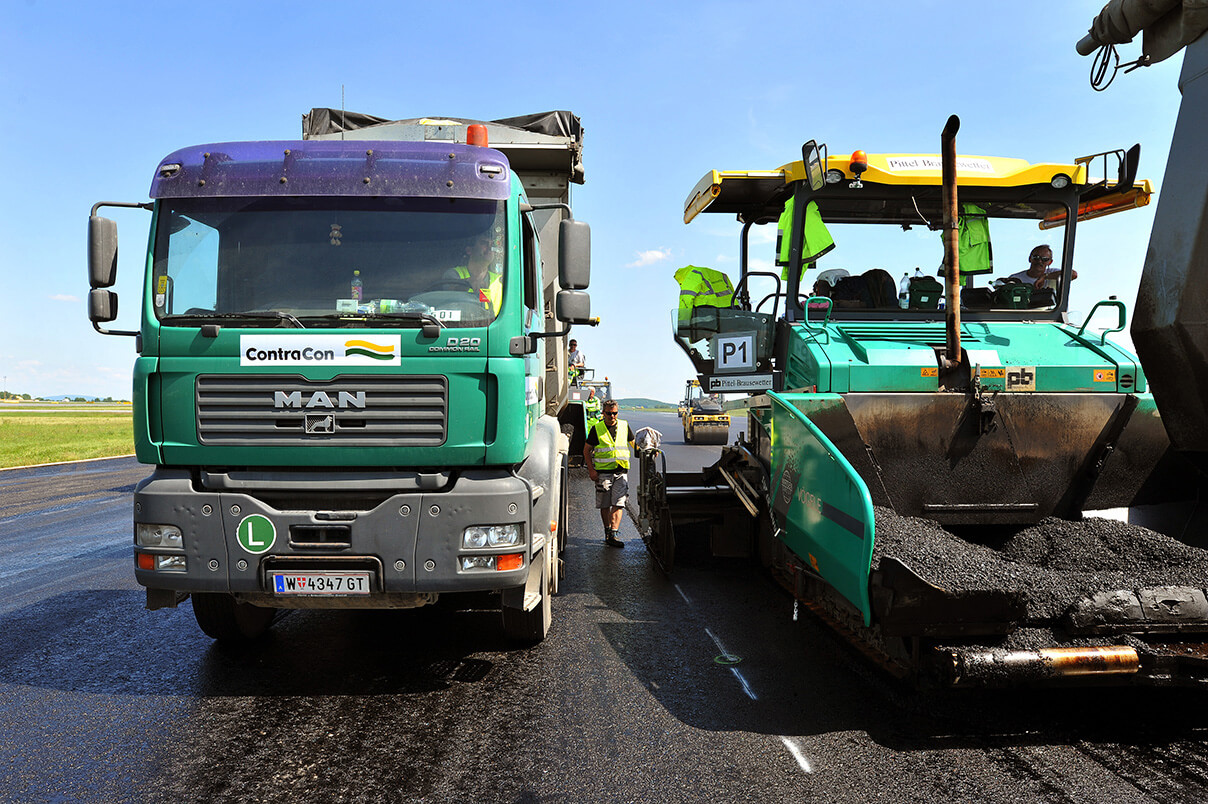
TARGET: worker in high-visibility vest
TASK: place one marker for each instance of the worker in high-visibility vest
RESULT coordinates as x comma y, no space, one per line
606,454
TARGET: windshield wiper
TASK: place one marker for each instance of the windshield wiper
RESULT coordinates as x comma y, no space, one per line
274,315
431,324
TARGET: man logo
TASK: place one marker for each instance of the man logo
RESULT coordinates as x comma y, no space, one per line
319,399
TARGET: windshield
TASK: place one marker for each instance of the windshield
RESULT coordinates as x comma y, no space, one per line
318,262
888,254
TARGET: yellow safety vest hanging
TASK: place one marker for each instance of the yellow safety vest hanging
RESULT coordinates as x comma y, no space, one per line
700,287
492,294
973,244
977,256
610,454
816,241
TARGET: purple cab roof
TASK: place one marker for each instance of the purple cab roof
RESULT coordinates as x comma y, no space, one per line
333,167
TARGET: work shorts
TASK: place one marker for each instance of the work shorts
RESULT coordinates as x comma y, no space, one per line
612,489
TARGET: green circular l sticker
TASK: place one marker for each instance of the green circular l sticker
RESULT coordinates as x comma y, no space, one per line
256,534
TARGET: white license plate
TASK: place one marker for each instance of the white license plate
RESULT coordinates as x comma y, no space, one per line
319,582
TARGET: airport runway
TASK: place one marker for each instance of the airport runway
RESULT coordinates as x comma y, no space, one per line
700,686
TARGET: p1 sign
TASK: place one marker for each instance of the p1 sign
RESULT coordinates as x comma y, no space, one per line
734,352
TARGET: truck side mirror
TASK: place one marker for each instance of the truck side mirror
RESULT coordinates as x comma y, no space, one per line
815,171
573,307
102,254
574,255
102,305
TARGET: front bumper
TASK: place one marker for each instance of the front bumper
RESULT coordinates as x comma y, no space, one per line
406,529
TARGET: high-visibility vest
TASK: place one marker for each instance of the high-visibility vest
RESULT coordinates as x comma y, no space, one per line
816,241
611,453
975,252
492,294
700,287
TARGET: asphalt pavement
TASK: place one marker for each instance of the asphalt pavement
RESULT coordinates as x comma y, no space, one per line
705,685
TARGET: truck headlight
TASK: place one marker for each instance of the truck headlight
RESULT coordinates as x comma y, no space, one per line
470,563
478,536
148,535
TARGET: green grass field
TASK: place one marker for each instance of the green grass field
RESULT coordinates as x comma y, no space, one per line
31,436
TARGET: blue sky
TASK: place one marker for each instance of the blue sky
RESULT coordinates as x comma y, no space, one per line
97,93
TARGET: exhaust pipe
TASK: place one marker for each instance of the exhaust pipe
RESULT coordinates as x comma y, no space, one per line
951,243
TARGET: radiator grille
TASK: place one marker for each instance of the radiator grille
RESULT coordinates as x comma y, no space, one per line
288,410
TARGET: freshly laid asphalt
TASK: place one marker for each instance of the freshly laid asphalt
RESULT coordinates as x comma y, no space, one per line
700,686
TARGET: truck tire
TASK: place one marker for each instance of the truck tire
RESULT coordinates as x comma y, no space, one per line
226,619
530,627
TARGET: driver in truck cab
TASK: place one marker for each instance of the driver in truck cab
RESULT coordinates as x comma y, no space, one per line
481,272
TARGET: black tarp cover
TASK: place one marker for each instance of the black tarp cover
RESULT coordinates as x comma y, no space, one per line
552,124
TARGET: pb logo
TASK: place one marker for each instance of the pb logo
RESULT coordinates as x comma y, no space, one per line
1021,378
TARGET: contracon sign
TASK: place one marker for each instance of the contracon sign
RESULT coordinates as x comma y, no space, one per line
304,349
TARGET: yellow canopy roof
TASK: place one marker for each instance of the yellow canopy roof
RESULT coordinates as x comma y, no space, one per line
761,194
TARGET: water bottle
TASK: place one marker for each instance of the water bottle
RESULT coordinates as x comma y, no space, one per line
904,291
356,286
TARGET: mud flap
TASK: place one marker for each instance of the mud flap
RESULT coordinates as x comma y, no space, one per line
821,506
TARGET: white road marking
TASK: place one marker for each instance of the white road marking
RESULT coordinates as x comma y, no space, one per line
745,686
729,657
798,756
802,759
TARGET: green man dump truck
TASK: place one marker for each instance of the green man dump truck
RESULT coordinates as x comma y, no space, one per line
927,427
348,367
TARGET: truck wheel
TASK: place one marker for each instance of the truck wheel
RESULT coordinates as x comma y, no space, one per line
226,619
530,627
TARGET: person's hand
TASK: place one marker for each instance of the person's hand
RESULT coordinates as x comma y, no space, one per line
593,474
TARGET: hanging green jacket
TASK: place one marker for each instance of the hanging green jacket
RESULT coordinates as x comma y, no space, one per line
700,287
976,255
816,242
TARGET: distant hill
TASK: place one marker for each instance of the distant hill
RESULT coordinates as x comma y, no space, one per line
642,403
